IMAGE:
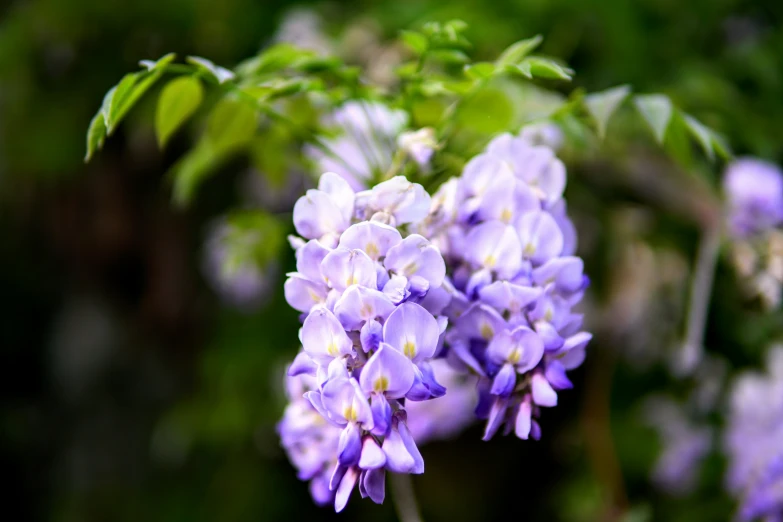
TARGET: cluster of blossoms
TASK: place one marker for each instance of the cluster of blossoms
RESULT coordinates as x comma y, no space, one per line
509,247
754,441
754,200
401,293
367,335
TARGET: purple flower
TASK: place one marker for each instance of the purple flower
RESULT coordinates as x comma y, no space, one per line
514,281
753,441
365,144
754,196
234,275
368,332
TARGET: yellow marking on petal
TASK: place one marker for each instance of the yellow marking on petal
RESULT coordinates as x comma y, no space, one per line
372,250
409,349
352,280
530,249
506,215
515,355
549,314
315,297
366,311
486,331
331,349
410,268
350,413
381,384
490,261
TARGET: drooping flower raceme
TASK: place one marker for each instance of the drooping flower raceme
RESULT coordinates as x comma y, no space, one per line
514,279
368,332
754,441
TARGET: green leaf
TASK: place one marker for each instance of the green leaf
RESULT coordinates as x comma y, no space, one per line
656,109
602,105
702,134
190,171
96,135
480,70
546,68
160,63
273,59
178,101
217,73
523,69
515,52
450,56
115,99
416,41
231,125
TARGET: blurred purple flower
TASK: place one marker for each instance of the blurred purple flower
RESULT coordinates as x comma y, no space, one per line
753,441
237,279
754,195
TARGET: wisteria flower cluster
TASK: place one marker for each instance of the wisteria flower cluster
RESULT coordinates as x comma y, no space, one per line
754,441
366,337
480,293
514,280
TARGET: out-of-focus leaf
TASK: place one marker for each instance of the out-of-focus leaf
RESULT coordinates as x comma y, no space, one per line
316,64
602,105
217,73
480,70
269,154
489,111
416,41
523,69
96,135
151,65
702,134
515,52
656,109
450,56
178,101
275,58
192,169
231,125
546,68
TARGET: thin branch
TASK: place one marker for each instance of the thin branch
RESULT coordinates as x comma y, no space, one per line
404,498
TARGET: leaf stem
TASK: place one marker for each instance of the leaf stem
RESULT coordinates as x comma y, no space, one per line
404,498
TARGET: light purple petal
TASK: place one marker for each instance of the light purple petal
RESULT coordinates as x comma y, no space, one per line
323,337
345,401
359,304
496,417
343,268
541,238
522,424
316,214
398,459
381,415
371,335
303,294
372,455
345,489
504,382
508,296
415,255
349,447
303,364
396,289
565,272
480,322
555,374
413,450
543,393
412,331
388,372
374,482
308,260
372,237
495,246
341,193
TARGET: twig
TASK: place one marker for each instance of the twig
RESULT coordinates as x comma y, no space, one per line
404,498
